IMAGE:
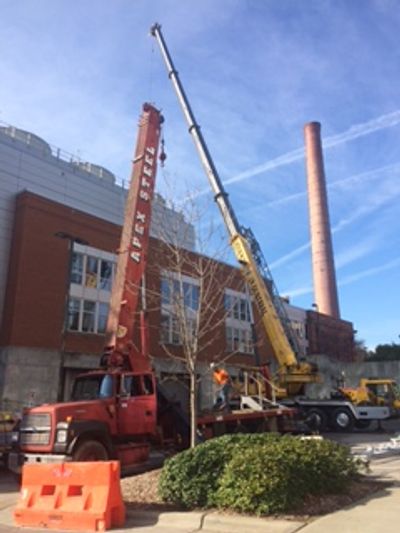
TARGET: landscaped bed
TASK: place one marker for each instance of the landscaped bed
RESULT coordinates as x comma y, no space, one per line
255,474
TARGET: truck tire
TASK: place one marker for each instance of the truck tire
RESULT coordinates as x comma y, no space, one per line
342,419
362,424
90,450
316,419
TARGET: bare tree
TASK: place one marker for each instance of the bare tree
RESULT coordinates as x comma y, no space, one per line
192,295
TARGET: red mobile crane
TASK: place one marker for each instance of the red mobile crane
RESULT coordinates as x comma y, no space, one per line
113,411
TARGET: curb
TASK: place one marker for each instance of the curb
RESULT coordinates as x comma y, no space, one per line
222,523
178,520
211,521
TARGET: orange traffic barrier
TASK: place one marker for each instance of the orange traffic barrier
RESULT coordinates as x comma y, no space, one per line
75,496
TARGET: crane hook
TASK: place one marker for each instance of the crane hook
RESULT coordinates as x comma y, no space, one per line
163,155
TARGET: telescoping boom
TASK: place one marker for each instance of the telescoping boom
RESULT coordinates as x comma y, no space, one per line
292,373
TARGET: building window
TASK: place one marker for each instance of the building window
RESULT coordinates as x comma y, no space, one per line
77,268
106,271
239,340
87,316
73,314
169,332
91,272
91,278
179,295
237,307
175,292
298,328
238,322
102,317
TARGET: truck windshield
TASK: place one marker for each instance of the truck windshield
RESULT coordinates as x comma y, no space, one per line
92,387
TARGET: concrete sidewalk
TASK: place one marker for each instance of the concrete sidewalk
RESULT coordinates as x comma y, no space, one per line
377,513
374,514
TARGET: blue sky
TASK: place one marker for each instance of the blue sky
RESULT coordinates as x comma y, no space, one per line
77,73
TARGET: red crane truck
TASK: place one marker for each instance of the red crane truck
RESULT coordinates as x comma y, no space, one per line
113,411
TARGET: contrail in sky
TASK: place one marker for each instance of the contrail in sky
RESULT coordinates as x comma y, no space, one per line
395,263
377,201
354,132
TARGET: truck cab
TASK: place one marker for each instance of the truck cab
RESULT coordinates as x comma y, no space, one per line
111,415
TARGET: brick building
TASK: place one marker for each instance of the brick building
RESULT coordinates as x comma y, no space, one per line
60,226
57,296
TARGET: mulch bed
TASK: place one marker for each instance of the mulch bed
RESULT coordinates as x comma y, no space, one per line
140,492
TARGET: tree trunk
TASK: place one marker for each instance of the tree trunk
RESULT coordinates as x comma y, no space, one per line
193,409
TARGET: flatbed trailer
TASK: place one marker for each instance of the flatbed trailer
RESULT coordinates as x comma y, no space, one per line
215,424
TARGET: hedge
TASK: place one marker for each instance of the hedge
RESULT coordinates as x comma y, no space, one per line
258,473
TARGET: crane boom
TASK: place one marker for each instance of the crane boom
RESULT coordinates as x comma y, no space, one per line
132,252
275,323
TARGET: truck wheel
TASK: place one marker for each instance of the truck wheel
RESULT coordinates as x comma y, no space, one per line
316,419
362,424
90,450
342,420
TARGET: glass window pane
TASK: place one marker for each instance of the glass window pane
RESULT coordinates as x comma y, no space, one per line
175,331
164,329
87,388
243,310
229,338
106,268
187,294
195,297
88,318
236,339
73,314
148,385
126,384
106,387
102,317
77,268
136,386
176,293
227,302
91,272
165,291
236,308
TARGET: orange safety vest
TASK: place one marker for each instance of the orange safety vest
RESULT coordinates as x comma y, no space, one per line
221,376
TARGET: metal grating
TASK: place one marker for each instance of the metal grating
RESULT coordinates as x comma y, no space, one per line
36,421
35,429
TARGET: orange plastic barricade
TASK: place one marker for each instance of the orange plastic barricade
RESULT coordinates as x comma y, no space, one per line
75,496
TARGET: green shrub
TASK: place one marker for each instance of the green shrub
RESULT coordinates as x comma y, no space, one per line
257,473
275,477
191,477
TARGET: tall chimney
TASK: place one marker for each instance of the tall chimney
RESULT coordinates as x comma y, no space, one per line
325,289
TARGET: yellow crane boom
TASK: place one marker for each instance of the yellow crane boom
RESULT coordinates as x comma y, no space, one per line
292,374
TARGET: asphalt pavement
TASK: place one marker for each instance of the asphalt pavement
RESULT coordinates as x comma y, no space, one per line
374,514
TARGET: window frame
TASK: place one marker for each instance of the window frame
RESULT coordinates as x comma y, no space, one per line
238,322
170,284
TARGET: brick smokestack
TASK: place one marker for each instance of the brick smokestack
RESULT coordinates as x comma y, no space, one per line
325,289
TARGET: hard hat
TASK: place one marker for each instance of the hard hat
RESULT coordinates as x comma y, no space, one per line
212,365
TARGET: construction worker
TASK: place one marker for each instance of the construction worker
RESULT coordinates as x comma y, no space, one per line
222,379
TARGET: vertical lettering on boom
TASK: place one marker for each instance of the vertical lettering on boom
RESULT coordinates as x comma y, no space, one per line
146,187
